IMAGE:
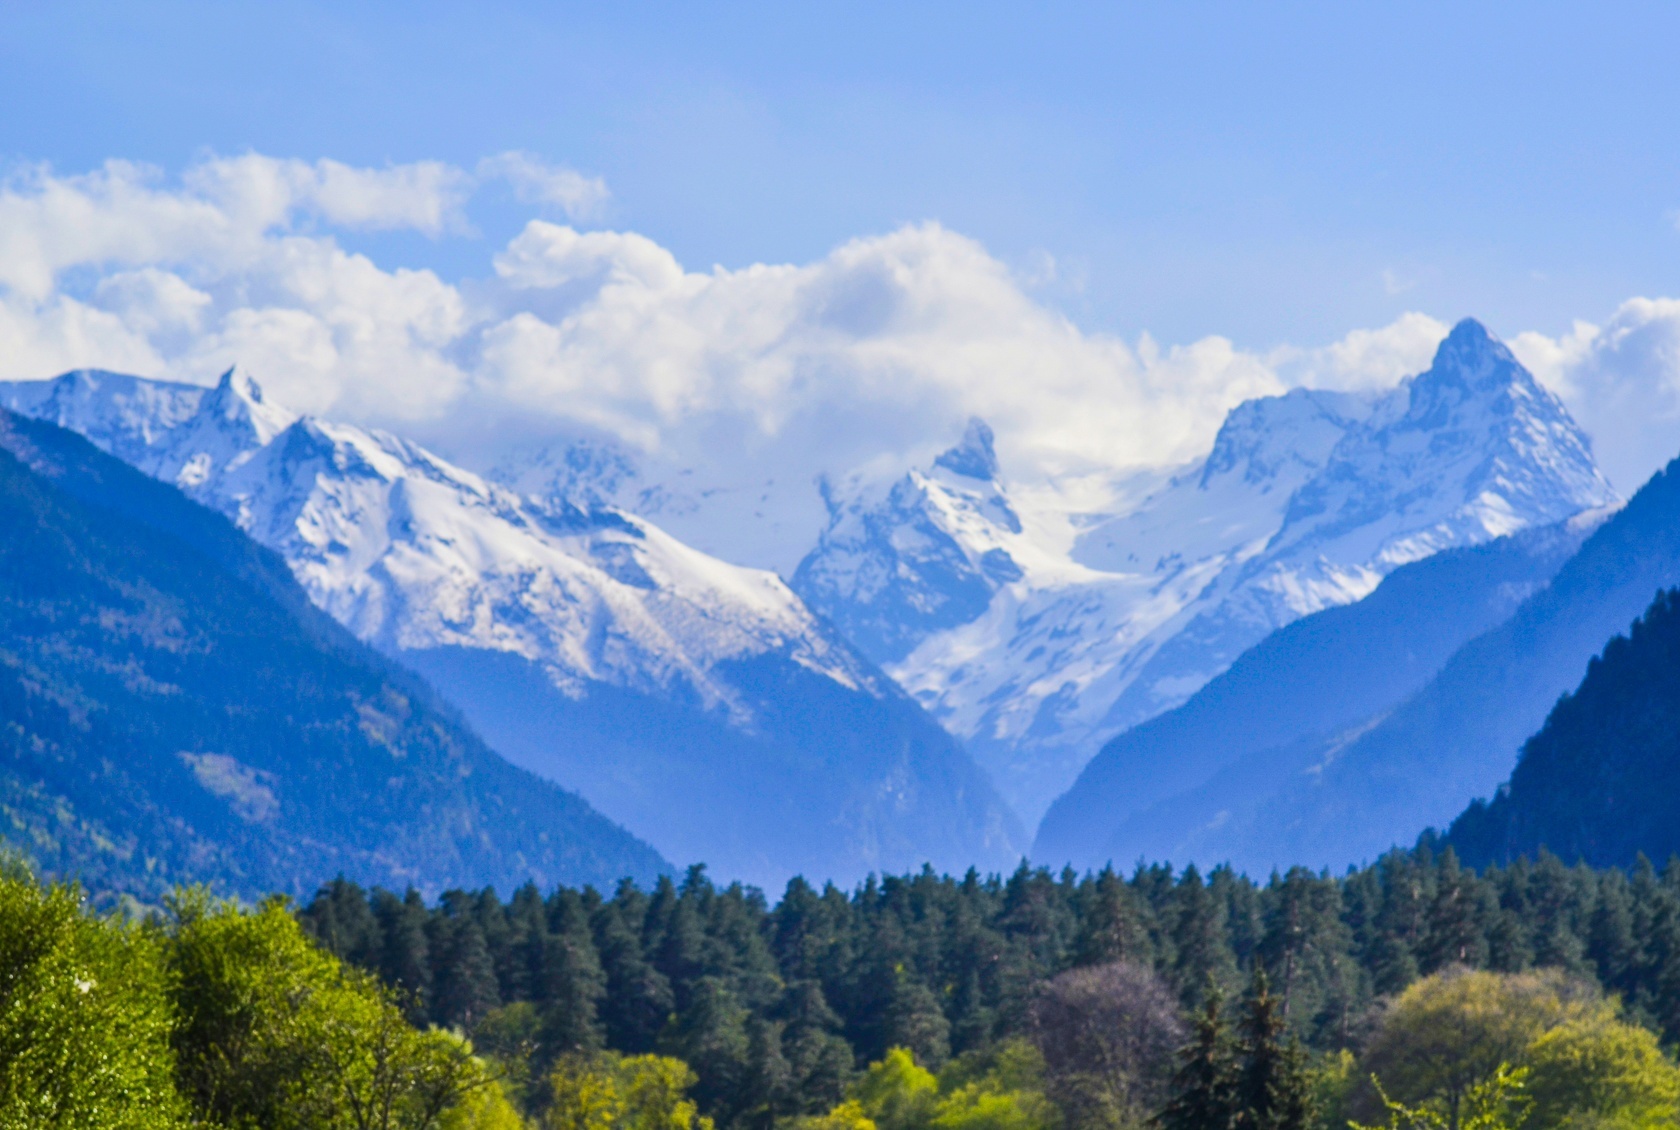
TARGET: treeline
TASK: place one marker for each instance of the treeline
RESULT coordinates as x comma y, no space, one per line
779,1009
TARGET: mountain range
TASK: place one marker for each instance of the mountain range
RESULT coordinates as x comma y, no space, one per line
173,709
699,703
1037,637
1231,635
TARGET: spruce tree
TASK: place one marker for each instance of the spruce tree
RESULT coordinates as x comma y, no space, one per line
464,976
1204,1084
1610,942
819,1058
768,1084
638,1000
1271,1089
1110,927
1456,922
1201,954
404,955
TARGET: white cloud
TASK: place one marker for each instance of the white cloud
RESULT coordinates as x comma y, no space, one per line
1365,359
754,380
534,181
1622,381
152,302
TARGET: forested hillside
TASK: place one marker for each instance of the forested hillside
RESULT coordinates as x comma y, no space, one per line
1601,780
175,711
776,1007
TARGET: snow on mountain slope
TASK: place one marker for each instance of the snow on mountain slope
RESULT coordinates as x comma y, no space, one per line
418,556
1306,501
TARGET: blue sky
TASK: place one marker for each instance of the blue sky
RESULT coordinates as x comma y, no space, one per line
1278,172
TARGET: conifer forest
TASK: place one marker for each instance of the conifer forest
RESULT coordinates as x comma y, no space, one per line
1164,998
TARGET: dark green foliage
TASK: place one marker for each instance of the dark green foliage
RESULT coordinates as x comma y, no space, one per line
1271,1090
173,710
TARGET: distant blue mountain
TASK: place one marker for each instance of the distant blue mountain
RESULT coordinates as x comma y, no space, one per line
174,710
1170,788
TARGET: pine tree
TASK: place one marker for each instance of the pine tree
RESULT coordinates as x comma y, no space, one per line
710,1035
569,987
340,919
1610,942
819,1058
1456,923
638,1001
1201,953
915,1021
768,1089
463,974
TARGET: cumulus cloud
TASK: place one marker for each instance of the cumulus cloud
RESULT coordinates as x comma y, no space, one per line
1366,359
1621,381
745,384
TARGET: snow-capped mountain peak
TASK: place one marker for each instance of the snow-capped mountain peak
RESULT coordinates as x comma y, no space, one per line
585,642
1306,500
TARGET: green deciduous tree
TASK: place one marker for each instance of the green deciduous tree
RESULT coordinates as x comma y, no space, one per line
272,1032
608,1091
1497,1102
1598,1071
85,1017
897,1094
1451,1032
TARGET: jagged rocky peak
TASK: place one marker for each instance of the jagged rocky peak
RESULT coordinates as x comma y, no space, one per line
238,400
974,457
1471,365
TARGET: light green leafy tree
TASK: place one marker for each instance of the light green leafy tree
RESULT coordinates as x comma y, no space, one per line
999,1089
896,1093
1002,1089
609,1091
1600,1072
274,1033
1497,1102
1451,1032
1585,1067
84,1016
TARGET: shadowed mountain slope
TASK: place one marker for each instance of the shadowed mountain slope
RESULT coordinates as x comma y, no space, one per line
1158,790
